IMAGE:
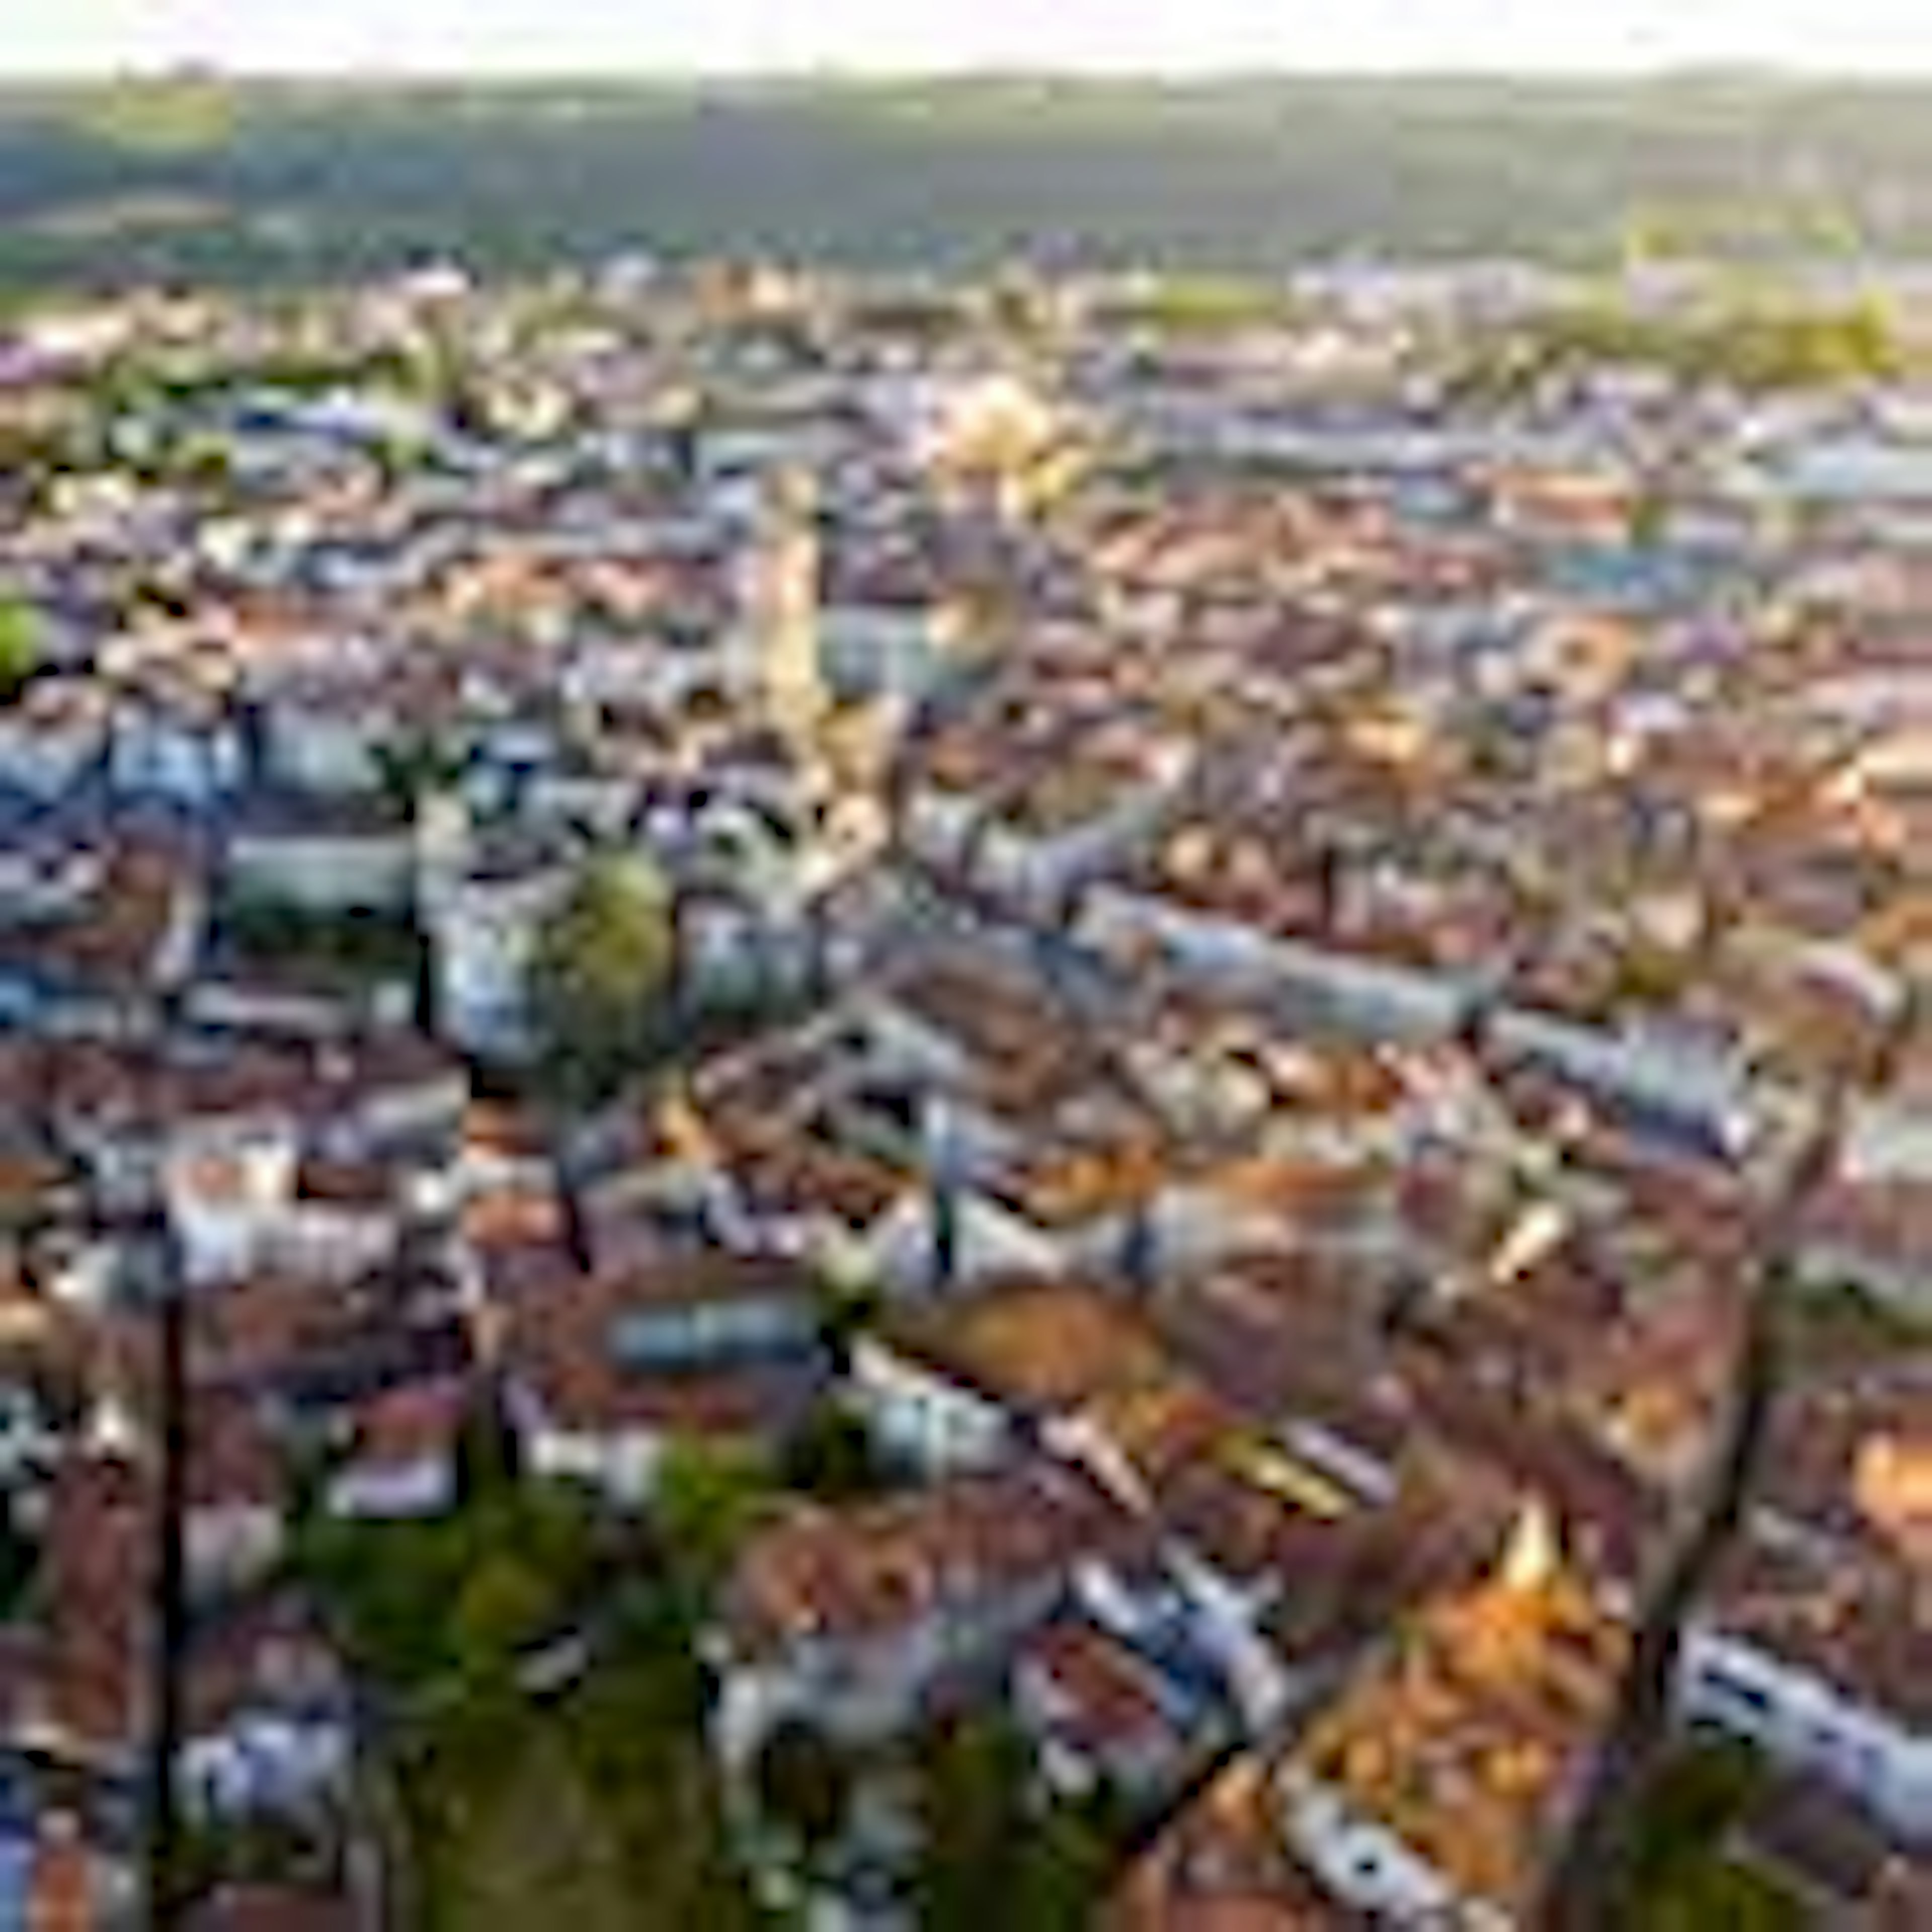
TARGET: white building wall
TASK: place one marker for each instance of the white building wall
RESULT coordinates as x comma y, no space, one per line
933,1423
231,1545
393,1491
1798,1719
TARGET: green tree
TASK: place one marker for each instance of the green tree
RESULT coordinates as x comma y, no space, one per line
556,1529
1680,1877
832,1455
601,965
20,646
708,1500
391,1587
983,1840
804,1783
503,1605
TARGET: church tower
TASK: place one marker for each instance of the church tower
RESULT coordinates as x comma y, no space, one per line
778,644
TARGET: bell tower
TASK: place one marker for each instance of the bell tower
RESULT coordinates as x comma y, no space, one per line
779,618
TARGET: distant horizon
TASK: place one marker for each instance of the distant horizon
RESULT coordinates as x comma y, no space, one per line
377,40
376,74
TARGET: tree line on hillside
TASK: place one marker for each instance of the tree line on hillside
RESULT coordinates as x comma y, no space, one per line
299,183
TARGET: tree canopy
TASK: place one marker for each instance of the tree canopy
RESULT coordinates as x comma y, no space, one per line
1759,341
984,1839
709,1497
832,1455
21,646
601,965
804,1782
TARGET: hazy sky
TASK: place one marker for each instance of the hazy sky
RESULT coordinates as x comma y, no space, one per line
64,35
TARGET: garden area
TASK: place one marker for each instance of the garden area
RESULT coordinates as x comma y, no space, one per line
525,1794
597,1810
537,1706
449,1604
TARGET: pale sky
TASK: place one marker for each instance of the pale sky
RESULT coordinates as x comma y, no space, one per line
64,36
